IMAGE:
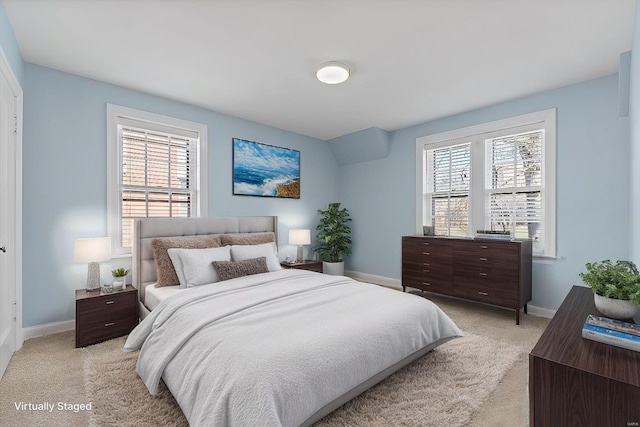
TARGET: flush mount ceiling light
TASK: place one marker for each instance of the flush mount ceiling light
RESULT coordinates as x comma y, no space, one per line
332,72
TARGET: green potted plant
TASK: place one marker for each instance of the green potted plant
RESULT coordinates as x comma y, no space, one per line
119,274
616,287
334,238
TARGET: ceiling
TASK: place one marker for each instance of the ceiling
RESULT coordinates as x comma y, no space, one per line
412,61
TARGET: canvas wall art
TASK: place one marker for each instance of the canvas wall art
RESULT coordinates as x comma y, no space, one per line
265,170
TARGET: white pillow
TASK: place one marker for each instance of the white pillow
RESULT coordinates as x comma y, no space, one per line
267,250
193,266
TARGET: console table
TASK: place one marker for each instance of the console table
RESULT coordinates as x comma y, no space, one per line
578,382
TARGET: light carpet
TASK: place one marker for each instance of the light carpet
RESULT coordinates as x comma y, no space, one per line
442,388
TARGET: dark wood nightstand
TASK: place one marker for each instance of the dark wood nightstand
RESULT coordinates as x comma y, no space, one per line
101,316
307,264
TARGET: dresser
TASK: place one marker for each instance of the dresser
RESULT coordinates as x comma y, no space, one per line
101,316
490,271
574,381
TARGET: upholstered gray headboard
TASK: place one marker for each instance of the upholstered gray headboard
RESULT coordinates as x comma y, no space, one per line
144,230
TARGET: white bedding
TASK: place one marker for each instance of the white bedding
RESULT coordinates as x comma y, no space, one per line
154,296
273,348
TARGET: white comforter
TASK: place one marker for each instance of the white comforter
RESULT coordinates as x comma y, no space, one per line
271,349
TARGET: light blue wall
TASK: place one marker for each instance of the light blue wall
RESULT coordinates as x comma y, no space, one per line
65,179
593,180
9,46
634,124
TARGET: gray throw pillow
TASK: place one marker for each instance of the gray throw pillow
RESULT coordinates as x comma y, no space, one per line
231,269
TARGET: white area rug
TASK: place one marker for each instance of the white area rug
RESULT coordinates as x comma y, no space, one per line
443,388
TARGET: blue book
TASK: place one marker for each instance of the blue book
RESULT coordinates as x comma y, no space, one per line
611,332
613,324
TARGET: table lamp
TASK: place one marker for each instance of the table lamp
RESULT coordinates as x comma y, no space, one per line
299,237
93,251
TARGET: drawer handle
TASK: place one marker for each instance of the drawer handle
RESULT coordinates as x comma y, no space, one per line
483,259
426,243
426,253
426,264
425,271
109,302
483,274
106,325
483,294
426,283
484,246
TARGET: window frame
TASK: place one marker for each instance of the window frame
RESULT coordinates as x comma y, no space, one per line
123,116
477,134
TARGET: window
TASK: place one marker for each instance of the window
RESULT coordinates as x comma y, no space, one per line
154,170
499,176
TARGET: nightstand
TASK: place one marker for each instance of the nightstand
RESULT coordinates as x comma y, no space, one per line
101,316
307,264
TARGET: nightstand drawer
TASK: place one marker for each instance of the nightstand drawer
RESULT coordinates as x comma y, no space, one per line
106,303
105,330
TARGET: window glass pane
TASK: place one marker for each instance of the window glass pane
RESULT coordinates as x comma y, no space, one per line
450,215
516,161
519,213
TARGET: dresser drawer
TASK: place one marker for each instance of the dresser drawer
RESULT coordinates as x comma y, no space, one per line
428,280
416,249
495,252
486,291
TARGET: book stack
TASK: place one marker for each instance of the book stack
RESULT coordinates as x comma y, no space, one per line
491,234
614,332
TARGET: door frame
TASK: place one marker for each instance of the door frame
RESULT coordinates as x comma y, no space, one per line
14,240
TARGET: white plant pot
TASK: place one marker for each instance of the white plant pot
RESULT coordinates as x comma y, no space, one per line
615,308
333,268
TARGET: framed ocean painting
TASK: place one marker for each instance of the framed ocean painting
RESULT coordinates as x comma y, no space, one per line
265,170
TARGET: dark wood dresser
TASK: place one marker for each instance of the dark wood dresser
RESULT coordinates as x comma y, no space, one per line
578,382
491,271
102,316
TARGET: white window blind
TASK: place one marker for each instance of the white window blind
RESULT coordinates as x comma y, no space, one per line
448,186
156,176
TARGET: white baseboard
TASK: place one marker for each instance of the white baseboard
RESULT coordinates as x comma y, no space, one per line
540,312
376,280
48,329
397,284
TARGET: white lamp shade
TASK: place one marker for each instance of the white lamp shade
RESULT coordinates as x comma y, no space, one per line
299,237
332,72
96,249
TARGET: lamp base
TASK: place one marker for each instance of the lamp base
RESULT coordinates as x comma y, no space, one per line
299,255
93,276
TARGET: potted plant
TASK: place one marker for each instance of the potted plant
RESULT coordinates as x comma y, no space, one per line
119,284
334,238
616,287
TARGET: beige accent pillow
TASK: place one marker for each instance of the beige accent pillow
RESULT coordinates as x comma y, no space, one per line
247,238
166,273
231,269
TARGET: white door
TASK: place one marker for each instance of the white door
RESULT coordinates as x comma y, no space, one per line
8,238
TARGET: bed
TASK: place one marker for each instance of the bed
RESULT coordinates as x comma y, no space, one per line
276,347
